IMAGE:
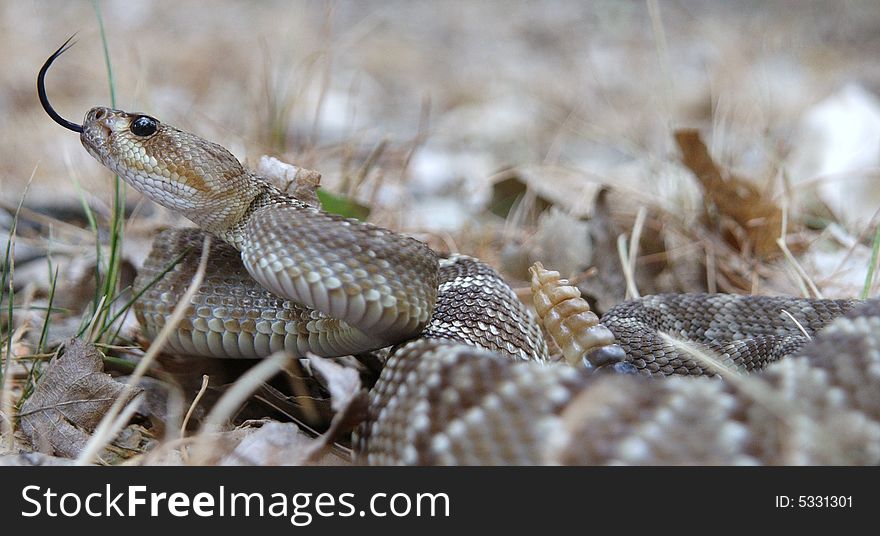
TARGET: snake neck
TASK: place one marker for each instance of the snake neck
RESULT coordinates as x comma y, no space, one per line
232,230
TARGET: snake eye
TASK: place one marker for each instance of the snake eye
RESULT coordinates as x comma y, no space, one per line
144,125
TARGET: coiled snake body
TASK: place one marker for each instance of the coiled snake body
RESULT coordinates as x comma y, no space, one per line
470,386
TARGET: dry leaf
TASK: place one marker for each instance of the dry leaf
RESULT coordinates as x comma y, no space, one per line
509,193
31,459
570,189
70,400
735,198
343,383
299,182
272,443
346,397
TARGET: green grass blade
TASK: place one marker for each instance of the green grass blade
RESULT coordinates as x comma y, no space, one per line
9,330
117,225
97,6
93,225
869,277
8,269
45,331
170,266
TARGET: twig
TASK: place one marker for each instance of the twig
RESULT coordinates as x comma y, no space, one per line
790,258
195,402
628,255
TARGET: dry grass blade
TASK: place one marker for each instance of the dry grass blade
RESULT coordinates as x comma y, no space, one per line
798,324
364,170
6,410
758,389
62,227
705,358
634,250
632,290
662,53
802,274
106,431
8,273
297,383
202,390
93,323
7,407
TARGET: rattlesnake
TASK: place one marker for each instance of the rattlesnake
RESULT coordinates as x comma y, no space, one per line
466,381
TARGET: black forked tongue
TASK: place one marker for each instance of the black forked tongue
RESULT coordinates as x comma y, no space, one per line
41,89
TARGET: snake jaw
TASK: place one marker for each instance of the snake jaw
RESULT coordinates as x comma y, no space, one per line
97,131
101,126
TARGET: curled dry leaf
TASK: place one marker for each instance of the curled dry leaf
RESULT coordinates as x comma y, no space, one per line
734,197
272,443
346,397
299,182
570,189
511,190
343,383
70,399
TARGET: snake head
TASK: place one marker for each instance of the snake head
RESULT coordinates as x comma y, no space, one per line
176,169
181,171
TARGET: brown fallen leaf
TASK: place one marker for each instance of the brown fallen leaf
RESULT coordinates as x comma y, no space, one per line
346,398
509,191
269,442
70,400
343,383
758,218
31,459
299,182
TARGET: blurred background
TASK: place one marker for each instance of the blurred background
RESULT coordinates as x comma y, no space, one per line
419,110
